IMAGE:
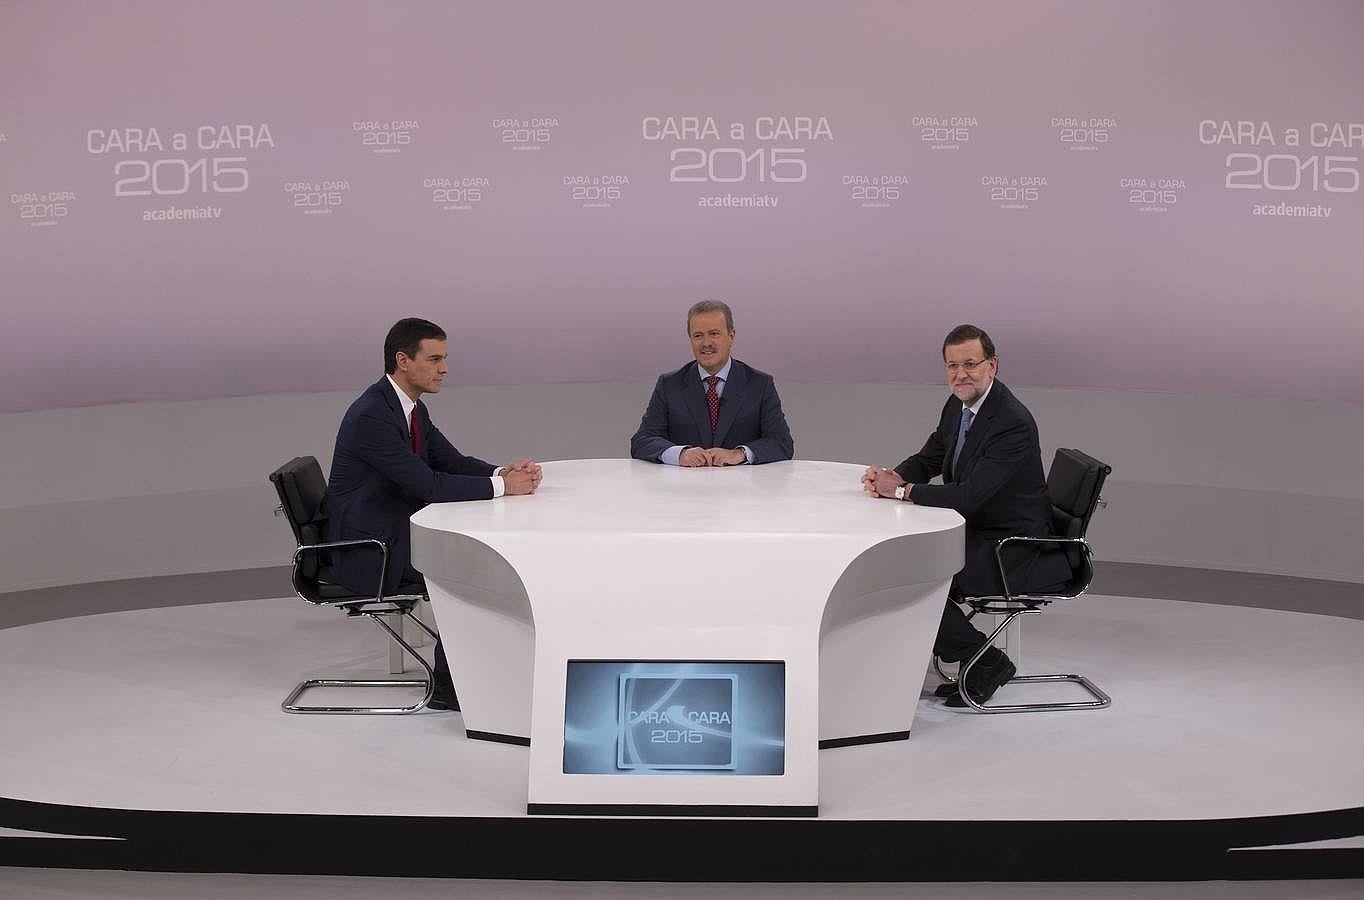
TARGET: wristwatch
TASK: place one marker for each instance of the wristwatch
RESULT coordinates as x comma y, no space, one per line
902,492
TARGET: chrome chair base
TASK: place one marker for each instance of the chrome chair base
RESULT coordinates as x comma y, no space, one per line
1100,699
291,705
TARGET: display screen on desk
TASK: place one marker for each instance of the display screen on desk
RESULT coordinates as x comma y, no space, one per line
635,717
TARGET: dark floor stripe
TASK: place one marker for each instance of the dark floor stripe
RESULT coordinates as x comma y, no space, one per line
668,849
1311,595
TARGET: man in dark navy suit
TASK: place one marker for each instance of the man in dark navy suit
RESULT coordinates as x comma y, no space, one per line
986,449
390,461
715,411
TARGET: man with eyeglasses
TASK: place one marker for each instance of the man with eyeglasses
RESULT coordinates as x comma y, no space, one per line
986,450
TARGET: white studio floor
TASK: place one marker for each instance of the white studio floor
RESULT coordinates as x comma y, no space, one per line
1218,712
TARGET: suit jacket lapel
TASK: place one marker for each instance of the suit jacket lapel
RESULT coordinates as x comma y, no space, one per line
729,402
395,406
980,427
694,393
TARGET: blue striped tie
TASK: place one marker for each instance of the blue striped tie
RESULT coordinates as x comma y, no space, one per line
966,417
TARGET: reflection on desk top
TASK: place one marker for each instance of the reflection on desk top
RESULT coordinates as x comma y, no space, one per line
629,496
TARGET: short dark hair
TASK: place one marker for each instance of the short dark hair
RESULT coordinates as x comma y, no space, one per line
706,306
964,333
406,337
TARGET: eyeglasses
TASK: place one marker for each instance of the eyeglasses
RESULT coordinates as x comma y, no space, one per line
970,365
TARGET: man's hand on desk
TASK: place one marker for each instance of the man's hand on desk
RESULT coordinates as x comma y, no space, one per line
719,456
528,465
693,456
879,481
522,477
711,456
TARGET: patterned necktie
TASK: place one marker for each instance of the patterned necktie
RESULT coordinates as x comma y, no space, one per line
713,401
413,430
966,417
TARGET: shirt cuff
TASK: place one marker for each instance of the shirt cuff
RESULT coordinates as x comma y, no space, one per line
748,454
499,486
672,456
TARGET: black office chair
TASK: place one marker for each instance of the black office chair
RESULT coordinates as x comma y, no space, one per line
1073,485
300,486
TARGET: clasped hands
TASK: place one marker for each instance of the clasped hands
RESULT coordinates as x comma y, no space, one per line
878,481
522,477
712,456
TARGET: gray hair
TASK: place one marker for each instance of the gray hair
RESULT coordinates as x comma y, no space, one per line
708,306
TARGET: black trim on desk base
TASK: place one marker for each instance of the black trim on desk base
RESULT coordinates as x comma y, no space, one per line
777,850
496,738
860,739
669,810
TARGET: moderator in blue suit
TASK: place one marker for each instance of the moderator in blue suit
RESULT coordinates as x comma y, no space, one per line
715,411
391,460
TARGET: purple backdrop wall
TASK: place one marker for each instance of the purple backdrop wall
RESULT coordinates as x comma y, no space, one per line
1162,195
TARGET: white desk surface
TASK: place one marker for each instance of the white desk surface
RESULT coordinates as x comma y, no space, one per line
624,496
622,559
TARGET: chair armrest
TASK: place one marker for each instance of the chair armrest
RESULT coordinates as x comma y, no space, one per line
336,545
369,543
1023,539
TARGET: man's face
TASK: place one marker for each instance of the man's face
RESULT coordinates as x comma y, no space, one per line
710,340
969,373
424,372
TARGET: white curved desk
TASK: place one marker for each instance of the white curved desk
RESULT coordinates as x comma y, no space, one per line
617,560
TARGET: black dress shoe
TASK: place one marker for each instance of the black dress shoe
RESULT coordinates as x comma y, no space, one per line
949,689
987,676
444,697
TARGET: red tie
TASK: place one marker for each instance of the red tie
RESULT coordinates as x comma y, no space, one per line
713,401
415,432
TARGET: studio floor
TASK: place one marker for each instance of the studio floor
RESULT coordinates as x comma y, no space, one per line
146,735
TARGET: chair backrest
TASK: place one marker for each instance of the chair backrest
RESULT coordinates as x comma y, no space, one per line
1073,484
301,487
